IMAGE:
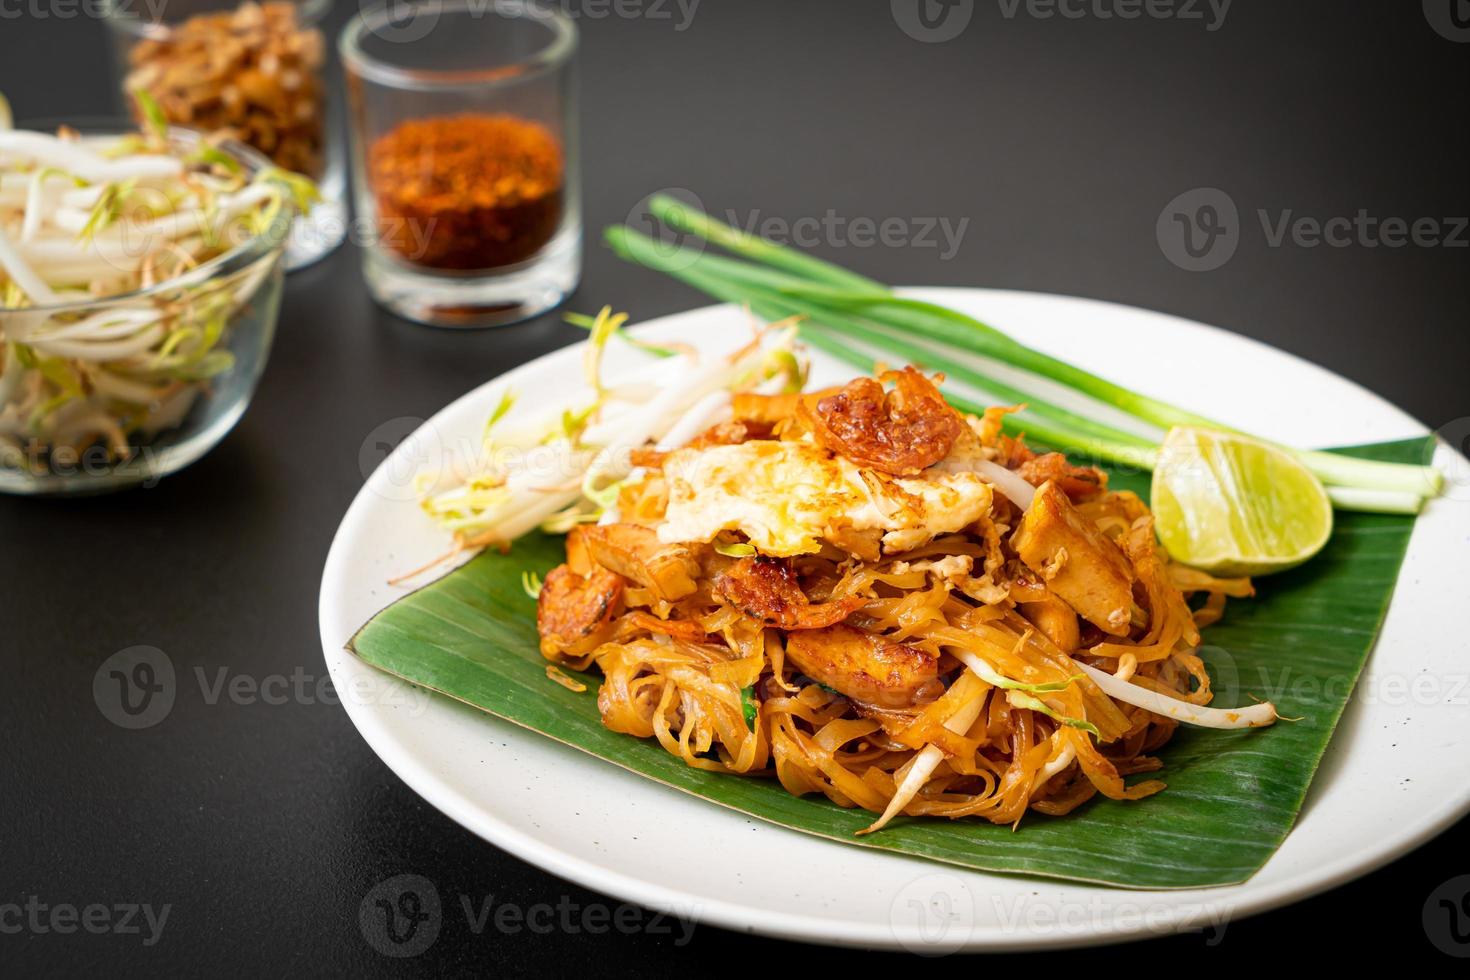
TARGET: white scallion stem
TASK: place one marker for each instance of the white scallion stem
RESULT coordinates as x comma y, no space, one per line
1375,501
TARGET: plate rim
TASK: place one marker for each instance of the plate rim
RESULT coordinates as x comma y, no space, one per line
1240,900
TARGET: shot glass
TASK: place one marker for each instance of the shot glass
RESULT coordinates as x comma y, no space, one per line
250,71
463,125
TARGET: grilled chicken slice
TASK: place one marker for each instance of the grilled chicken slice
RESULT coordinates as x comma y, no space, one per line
1079,482
1055,619
866,667
1076,560
635,552
578,560
574,613
766,589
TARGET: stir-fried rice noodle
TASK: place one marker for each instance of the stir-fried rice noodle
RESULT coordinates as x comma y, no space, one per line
932,680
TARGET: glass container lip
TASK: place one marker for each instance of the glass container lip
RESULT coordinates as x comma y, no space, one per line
308,12
244,254
555,54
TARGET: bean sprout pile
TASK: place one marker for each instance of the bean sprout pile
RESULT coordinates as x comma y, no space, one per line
110,324
564,468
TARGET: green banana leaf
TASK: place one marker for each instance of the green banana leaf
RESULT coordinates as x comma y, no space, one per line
1231,798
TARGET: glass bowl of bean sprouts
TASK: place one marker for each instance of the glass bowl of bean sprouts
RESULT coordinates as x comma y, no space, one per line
140,280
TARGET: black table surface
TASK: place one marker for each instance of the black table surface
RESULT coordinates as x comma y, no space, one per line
1059,139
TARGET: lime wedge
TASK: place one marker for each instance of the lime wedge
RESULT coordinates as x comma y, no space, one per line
1232,505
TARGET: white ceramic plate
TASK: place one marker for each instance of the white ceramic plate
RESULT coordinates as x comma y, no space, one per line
1397,772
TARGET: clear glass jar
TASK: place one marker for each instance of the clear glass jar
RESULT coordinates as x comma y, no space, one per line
254,71
463,126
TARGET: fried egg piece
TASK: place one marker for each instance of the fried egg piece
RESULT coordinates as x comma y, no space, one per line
786,497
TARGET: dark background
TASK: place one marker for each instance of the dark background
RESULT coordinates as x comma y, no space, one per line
1060,139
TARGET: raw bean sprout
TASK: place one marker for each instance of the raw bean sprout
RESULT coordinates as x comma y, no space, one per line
135,217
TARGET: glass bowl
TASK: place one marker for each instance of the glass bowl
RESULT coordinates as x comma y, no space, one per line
121,432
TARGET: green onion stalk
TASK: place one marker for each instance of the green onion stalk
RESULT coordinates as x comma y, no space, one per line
839,308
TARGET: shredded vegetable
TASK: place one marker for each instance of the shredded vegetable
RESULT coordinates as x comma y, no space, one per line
567,467
85,219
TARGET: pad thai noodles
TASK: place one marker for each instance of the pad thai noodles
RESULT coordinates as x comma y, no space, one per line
865,594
